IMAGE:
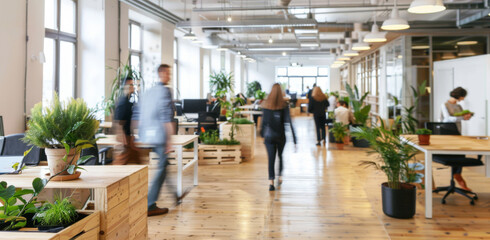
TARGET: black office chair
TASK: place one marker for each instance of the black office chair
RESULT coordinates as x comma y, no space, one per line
14,146
178,109
454,161
2,133
206,121
99,156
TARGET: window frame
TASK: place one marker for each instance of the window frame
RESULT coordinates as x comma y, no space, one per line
134,52
301,76
58,36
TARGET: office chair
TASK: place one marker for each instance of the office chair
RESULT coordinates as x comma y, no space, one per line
178,109
2,133
99,156
454,161
206,121
14,146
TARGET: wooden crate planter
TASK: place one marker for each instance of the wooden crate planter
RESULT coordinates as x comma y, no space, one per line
219,154
87,228
187,156
246,136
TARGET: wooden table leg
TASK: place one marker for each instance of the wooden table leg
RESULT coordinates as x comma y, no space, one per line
196,152
100,196
180,170
428,184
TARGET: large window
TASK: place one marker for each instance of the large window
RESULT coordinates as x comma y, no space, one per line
297,79
60,44
135,45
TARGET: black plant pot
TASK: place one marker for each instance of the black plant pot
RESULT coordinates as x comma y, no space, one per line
362,143
331,138
399,203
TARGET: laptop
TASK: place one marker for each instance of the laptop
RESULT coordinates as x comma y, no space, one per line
6,163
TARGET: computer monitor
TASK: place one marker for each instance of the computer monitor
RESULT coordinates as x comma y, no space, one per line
194,105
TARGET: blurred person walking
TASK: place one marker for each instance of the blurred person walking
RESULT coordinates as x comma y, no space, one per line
275,115
155,128
318,106
123,116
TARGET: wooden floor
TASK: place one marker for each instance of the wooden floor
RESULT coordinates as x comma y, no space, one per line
325,195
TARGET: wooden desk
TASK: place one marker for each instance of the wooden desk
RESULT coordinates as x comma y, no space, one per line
178,142
447,144
120,194
251,114
105,125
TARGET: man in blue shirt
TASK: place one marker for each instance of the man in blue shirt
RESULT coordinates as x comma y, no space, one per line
155,128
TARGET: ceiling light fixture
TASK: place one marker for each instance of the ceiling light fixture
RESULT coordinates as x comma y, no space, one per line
305,31
466,43
395,22
243,56
229,19
351,53
189,36
426,6
270,39
221,49
310,45
420,47
284,53
196,41
343,58
360,45
375,35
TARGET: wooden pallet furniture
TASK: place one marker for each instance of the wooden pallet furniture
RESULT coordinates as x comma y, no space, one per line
219,154
119,192
87,228
246,134
187,156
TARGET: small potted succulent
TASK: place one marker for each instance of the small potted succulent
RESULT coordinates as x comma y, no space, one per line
424,136
339,131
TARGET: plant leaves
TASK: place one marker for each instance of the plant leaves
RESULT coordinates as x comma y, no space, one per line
67,148
83,159
38,184
28,151
71,169
7,193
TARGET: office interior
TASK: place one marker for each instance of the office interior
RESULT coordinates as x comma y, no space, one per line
399,59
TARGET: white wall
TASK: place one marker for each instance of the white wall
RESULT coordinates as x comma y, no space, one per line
189,70
471,73
335,80
263,72
91,51
12,64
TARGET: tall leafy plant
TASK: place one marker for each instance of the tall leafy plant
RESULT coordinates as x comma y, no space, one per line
394,155
361,113
122,72
406,123
339,131
252,88
221,84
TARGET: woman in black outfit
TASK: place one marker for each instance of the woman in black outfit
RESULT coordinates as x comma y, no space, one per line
318,106
275,115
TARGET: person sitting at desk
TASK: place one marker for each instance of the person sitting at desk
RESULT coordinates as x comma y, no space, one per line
343,114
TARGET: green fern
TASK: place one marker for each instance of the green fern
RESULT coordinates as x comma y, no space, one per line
60,213
61,123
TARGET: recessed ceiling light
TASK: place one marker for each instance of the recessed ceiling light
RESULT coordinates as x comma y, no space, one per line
426,6
464,43
419,47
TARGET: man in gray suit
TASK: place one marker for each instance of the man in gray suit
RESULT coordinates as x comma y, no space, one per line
155,128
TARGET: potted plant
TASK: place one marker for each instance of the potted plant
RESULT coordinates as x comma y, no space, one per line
394,159
252,88
221,84
361,113
424,136
63,129
339,131
59,214
260,95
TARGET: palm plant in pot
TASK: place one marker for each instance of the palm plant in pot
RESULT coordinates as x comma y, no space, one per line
395,159
361,113
339,131
63,129
424,136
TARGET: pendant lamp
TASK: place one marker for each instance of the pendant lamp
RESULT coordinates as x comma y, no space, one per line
426,6
395,23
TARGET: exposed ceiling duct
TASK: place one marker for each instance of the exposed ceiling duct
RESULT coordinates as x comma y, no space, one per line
251,23
153,9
